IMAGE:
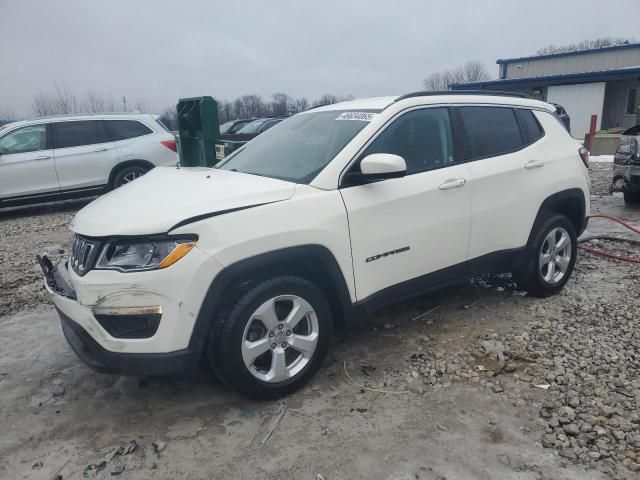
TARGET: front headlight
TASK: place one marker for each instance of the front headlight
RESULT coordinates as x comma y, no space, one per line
128,255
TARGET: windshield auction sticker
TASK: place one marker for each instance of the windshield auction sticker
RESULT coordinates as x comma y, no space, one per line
361,116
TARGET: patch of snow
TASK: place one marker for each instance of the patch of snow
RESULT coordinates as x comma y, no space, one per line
601,158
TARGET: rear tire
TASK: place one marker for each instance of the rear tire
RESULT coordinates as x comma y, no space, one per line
631,197
552,256
273,339
129,174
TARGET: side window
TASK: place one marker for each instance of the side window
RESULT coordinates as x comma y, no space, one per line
491,131
124,129
632,102
531,128
25,139
422,137
268,125
78,132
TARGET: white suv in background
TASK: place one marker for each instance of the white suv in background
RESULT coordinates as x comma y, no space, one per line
81,155
329,214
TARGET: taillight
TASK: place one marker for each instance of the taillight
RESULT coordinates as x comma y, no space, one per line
171,145
584,155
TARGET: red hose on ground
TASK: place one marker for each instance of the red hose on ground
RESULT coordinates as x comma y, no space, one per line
615,219
611,255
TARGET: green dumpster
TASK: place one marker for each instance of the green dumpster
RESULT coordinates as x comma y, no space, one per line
198,129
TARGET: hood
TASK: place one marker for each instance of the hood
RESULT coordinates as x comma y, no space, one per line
168,196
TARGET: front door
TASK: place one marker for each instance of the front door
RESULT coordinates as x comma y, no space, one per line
26,162
413,229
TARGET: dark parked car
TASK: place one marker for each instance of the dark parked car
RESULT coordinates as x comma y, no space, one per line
229,143
229,128
626,166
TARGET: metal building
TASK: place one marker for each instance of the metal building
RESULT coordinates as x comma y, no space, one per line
603,82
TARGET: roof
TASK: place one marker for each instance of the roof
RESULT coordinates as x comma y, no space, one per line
567,78
73,116
568,54
425,98
373,103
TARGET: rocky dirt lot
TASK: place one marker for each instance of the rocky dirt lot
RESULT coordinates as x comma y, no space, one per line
477,381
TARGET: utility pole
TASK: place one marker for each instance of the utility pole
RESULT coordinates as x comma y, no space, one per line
124,102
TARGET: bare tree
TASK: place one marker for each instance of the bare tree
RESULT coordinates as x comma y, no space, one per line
61,102
238,109
475,71
585,45
253,106
279,104
94,103
7,115
472,71
300,104
141,107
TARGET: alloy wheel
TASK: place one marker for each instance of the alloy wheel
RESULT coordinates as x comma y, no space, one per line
280,338
555,255
131,176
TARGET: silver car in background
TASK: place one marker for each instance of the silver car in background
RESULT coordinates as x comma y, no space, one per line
52,158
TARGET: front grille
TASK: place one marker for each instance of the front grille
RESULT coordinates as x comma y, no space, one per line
83,254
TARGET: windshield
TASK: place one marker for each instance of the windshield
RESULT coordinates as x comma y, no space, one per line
298,148
224,128
253,127
233,126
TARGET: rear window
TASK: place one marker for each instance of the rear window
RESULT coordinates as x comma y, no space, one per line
77,133
531,129
124,129
491,131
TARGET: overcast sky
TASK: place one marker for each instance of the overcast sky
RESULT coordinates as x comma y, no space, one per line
157,51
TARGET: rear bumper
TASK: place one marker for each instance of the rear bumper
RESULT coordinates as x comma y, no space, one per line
138,364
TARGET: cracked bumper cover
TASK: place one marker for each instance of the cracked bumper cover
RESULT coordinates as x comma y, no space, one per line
168,351
139,364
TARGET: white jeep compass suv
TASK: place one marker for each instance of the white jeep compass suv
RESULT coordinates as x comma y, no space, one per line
68,156
333,212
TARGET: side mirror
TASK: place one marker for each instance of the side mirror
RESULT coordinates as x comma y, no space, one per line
378,166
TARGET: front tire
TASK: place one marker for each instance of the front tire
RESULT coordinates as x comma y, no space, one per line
552,256
273,339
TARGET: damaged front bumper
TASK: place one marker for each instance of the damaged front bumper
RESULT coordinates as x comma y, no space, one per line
626,165
116,327
626,178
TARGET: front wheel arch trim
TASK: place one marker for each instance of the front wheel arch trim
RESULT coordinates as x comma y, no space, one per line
240,270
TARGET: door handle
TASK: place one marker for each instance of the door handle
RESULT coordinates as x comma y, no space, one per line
453,183
42,157
534,164
101,149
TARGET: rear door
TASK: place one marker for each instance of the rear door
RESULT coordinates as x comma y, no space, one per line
411,231
132,139
84,153
506,163
26,162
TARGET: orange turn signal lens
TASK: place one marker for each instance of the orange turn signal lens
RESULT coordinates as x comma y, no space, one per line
176,254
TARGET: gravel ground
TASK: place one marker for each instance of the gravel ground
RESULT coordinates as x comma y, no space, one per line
24,233
486,382
600,177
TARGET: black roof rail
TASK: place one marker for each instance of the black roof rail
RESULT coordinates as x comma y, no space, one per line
493,93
